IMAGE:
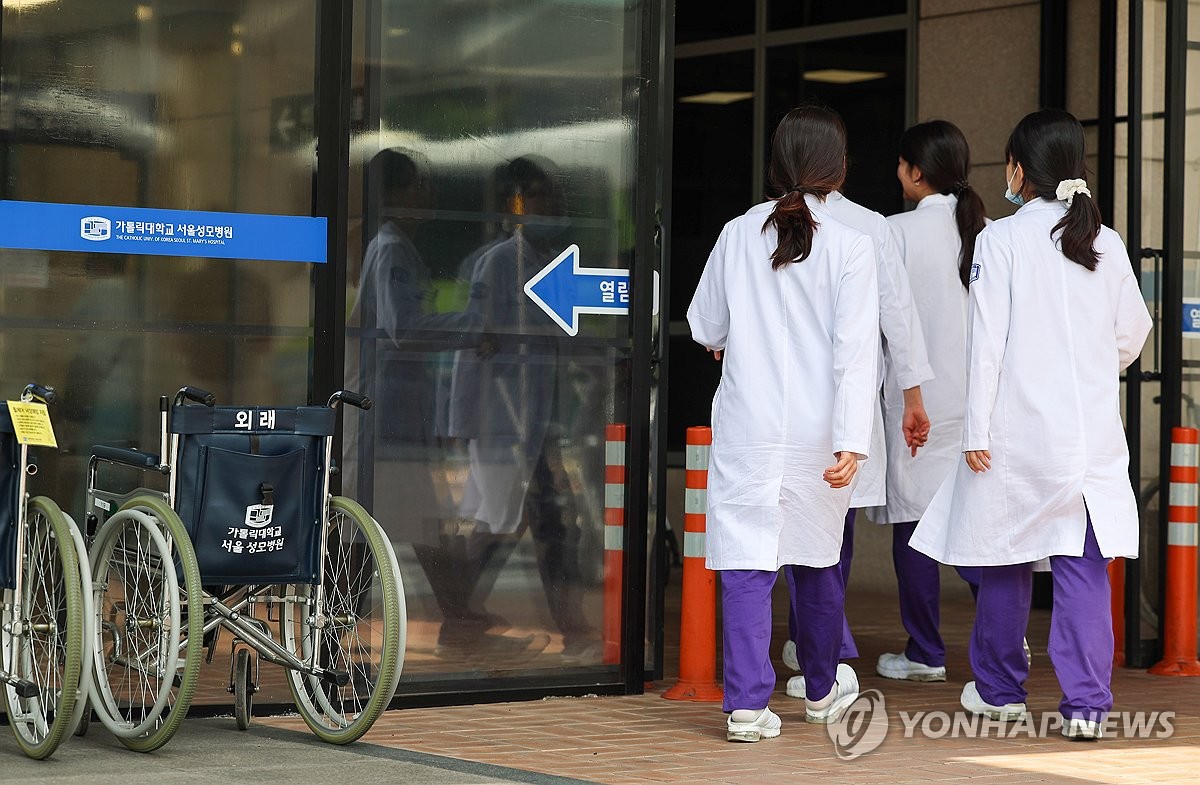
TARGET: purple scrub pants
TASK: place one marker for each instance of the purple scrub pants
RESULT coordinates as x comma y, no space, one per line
797,620
746,619
1081,636
919,583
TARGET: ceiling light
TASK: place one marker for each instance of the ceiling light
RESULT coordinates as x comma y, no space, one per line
842,76
716,98
144,13
396,32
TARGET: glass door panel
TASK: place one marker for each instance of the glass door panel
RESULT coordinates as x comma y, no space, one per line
499,149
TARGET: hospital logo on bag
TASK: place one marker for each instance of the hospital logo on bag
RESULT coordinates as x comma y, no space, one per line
259,515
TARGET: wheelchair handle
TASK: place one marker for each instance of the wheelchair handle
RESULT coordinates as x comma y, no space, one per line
197,395
45,394
352,398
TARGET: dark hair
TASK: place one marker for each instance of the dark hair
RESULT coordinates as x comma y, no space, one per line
808,156
1049,146
523,173
393,170
940,151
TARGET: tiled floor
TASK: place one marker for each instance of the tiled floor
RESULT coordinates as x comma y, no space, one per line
645,739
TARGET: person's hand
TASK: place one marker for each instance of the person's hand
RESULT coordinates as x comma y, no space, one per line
716,353
916,420
841,473
978,460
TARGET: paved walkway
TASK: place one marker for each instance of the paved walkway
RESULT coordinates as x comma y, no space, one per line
214,751
644,739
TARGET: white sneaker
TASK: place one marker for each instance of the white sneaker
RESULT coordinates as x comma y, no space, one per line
789,657
972,702
1080,729
830,708
795,687
751,725
899,666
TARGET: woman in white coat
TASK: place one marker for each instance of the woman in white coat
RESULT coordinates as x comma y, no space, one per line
789,299
902,351
1055,314
937,244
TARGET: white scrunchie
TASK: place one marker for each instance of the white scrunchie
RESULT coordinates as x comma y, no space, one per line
1068,188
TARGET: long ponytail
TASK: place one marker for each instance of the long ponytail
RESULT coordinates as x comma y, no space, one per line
939,149
1079,229
808,156
1050,147
971,216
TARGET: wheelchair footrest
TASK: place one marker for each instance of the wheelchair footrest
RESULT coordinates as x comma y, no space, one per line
24,688
338,678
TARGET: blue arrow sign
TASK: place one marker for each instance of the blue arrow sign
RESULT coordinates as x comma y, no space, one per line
565,290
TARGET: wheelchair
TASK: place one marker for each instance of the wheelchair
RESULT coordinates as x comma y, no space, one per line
45,665
246,538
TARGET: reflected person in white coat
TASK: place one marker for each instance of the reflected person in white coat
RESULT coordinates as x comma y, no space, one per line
789,298
937,243
1055,314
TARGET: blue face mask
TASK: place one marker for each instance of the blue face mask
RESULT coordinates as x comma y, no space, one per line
1016,199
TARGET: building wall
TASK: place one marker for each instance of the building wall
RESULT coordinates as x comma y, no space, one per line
978,66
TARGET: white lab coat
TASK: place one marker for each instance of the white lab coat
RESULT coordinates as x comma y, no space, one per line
798,381
1046,343
929,247
903,343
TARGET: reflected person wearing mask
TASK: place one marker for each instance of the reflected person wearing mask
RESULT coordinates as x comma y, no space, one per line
504,401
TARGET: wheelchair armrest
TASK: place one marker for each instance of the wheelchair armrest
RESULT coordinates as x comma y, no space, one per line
126,456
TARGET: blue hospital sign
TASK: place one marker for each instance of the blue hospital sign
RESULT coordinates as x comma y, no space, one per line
1191,318
148,231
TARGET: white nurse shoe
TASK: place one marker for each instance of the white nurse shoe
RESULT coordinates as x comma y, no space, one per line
972,702
1079,729
829,709
750,725
789,657
899,666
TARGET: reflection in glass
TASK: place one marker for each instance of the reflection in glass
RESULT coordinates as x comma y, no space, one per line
484,458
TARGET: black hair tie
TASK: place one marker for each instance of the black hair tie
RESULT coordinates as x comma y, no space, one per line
960,187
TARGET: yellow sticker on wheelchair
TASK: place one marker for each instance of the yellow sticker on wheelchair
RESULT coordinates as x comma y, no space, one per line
31,422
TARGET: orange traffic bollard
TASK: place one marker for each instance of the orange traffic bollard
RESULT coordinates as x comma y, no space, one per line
1179,622
1116,585
614,539
698,617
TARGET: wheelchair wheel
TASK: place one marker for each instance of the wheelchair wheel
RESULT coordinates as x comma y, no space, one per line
82,716
44,651
243,689
361,635
147,644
